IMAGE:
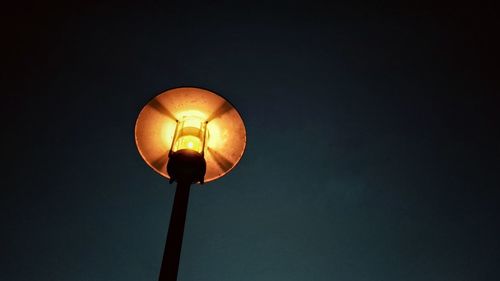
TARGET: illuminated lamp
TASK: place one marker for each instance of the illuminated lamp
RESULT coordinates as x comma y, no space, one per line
189,136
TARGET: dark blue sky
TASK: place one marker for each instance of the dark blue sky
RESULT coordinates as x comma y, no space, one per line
372,154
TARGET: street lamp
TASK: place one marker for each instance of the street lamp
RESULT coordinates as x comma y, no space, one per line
188,135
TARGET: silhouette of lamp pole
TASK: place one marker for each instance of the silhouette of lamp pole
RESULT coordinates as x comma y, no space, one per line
189,136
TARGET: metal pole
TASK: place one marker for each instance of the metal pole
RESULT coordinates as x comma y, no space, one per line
172,252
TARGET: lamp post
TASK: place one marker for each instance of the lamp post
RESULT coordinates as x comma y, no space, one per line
189,136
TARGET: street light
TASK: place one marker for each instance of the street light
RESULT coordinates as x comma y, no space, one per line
188,135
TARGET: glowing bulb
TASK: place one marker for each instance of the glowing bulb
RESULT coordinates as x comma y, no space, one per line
190,134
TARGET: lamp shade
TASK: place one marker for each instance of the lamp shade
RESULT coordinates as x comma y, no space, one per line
224,141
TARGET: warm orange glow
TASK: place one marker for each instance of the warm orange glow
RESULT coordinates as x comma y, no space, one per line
222,139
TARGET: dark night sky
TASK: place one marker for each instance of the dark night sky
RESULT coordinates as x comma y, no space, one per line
373,149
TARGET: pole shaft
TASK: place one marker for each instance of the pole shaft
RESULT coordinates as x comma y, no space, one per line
172,252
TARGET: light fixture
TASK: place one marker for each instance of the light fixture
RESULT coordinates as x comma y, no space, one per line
225,135
188,135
